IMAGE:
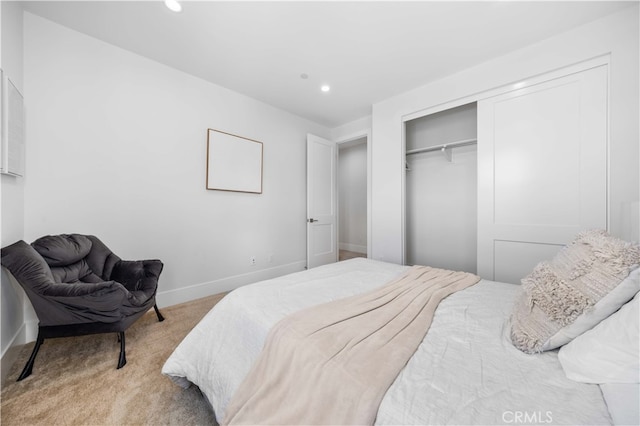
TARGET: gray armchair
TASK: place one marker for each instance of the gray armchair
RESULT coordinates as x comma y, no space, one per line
77,286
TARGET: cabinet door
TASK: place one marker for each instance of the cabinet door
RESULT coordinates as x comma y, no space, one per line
542,171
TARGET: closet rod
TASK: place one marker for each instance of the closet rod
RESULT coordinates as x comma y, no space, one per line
443,146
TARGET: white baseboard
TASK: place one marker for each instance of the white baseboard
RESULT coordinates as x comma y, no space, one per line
353,247
197,291
12,351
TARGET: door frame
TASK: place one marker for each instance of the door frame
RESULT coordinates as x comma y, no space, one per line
406,118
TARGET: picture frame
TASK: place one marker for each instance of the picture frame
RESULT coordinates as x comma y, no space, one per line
234,163
12,129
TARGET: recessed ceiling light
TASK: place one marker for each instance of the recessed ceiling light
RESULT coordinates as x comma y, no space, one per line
325,88
173,5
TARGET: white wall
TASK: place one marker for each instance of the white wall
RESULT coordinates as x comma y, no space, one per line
116,147
616,35
352,130
12,300
352,196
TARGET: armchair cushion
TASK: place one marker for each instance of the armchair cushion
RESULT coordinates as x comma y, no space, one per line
26,265
100,259
62,250
137,275
65,255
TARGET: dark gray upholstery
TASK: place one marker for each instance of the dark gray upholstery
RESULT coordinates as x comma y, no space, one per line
78,286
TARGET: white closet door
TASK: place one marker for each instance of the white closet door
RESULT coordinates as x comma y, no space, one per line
542,171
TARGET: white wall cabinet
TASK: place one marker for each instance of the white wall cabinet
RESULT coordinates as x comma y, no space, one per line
542,170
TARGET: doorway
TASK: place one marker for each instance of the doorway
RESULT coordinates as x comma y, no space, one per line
352,199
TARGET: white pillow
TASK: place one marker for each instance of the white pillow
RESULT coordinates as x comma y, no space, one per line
609,352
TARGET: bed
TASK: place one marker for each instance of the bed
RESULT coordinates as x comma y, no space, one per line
465,371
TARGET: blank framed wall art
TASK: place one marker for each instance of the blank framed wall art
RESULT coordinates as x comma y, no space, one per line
234,163
12,129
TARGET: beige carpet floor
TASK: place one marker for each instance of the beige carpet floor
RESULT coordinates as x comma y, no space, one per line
75,380
346,255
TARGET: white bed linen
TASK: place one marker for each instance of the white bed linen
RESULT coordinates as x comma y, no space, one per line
465,372
623,401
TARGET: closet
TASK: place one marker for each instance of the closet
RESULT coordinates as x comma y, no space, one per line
441,189
495,186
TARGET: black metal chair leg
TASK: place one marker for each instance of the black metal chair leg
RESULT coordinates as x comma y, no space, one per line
28,368
123,359
160,317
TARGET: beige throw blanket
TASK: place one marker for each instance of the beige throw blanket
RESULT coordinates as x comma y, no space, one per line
333,363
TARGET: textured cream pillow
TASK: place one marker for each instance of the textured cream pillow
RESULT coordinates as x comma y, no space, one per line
560,298
601,310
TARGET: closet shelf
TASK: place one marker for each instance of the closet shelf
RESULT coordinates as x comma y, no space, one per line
443,147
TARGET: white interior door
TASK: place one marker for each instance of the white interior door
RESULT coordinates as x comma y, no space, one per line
322,247
542,171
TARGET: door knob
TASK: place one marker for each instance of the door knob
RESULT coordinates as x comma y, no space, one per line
312,220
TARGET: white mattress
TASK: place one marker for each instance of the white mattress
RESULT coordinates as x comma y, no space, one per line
465,372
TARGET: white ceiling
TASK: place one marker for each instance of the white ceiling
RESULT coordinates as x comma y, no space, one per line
366,51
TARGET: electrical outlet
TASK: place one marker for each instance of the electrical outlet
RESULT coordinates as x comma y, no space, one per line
270,258
252,260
